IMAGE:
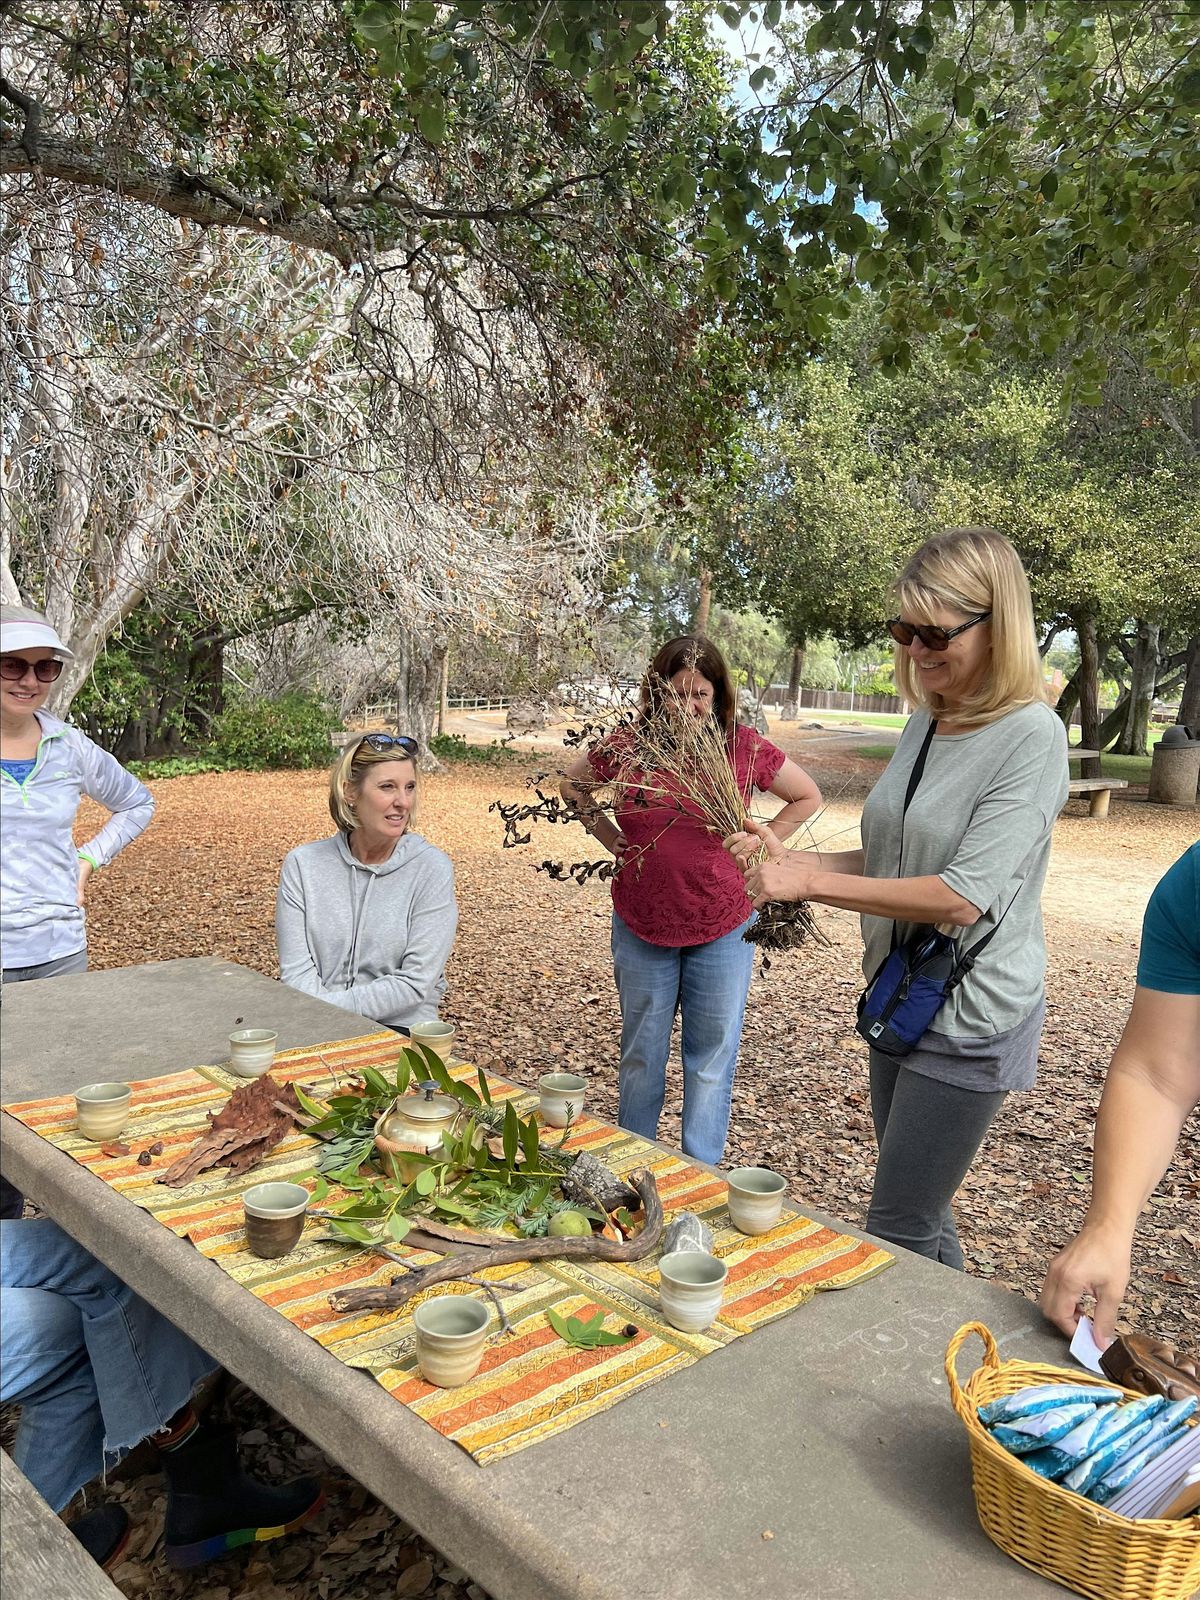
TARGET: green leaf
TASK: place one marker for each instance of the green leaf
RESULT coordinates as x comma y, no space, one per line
321,1189
352,1230
375,1081
452,1208
309,1105
426,1181
484,1090
530,1143
559,1326
398,1226
431,119
511,1135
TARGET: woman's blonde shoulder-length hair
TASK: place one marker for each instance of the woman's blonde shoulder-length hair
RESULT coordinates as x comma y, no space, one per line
969,570
348,772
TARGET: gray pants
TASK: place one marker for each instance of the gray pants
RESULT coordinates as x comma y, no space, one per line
928,1133
12,1201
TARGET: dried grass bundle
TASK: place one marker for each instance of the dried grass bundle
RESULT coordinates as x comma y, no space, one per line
673,758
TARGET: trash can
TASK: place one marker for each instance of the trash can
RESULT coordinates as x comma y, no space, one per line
1175,768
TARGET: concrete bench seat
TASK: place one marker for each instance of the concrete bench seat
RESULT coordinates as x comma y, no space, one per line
39,1555
1100,790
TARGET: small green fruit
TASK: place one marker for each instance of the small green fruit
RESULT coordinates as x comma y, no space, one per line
569,1225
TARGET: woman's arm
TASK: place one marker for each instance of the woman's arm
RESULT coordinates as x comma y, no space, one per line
835,879
1152,1087
793,785
577,786
131,804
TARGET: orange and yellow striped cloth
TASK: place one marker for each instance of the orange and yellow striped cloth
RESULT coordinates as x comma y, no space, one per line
531,1385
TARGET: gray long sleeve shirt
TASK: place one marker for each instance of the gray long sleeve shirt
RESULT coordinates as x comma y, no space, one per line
981,820
372,939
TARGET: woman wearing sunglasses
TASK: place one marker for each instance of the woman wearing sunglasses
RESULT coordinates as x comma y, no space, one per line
366,919
45,768
967,856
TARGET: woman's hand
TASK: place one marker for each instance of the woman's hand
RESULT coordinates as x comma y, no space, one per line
745,846
787,877
85,872
1095,1262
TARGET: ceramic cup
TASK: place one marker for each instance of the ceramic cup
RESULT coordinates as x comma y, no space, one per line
436,1036
691,1287
561,1098
451,1334
274,1217
252,1051
755,1198
102,1110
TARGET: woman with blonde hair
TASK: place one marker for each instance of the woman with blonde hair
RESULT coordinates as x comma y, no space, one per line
955,836
366,918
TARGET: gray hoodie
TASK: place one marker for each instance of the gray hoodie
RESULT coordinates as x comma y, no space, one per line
371,939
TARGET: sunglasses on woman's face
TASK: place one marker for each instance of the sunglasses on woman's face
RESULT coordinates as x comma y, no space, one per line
14,668
381,743
931,636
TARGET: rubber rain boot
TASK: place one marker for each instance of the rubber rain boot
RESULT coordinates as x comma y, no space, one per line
214,1507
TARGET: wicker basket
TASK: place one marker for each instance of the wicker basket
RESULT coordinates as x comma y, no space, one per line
1057,1533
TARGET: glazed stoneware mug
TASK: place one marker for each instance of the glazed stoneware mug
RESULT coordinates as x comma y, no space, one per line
451,1332
435,1036
275,1215
560,1098
102,1110
691,1286
252,1051
755,1198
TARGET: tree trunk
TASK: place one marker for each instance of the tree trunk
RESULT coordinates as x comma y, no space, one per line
1189,700
418,690
795,677
444,694
1143,669
1089,690
703,602
1068,699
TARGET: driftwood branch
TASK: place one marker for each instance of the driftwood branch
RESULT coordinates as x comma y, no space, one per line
487,1251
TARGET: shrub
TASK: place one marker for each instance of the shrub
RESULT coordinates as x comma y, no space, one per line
176,766
253,734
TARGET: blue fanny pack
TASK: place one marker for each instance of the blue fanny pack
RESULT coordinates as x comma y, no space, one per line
917,975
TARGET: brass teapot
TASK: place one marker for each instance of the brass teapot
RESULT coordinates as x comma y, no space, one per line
414,1125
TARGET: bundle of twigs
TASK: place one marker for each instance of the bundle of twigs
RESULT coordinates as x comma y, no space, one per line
675,759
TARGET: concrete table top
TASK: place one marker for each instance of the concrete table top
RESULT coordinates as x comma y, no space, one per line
831,1431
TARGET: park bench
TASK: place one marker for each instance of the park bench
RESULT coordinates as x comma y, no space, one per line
39,1555
1099,790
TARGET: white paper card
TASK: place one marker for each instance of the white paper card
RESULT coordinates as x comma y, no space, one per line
1084,1347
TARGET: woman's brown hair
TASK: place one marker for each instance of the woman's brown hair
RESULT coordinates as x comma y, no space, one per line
691,652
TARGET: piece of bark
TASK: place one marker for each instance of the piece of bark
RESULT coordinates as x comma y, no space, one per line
243,1133
484,1250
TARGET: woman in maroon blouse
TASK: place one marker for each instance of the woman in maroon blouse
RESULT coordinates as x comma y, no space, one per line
679,901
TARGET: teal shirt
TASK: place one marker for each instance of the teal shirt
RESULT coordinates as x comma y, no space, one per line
1169,959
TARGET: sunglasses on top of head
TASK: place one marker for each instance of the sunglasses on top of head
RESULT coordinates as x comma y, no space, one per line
381,743
930,635
14,668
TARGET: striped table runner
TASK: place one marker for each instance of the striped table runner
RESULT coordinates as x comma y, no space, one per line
531,1385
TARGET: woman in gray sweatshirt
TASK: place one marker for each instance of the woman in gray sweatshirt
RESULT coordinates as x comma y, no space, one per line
366,919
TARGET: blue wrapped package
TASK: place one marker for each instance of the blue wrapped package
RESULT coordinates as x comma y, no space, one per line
1084,1477
1120,1419
1166,1430
1042,1428
1045,1397
1074,1448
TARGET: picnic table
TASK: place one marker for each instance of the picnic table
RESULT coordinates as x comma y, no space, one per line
1097,788
817,1457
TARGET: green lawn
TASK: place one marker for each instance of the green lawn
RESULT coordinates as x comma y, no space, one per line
1134,769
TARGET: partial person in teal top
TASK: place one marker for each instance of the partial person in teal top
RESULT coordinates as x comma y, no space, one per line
1153,1086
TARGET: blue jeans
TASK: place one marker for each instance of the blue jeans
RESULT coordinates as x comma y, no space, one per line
95,1369
707,984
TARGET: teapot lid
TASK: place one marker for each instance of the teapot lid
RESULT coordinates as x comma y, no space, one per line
427,1105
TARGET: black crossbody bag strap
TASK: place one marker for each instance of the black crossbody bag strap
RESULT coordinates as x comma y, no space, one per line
914,779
